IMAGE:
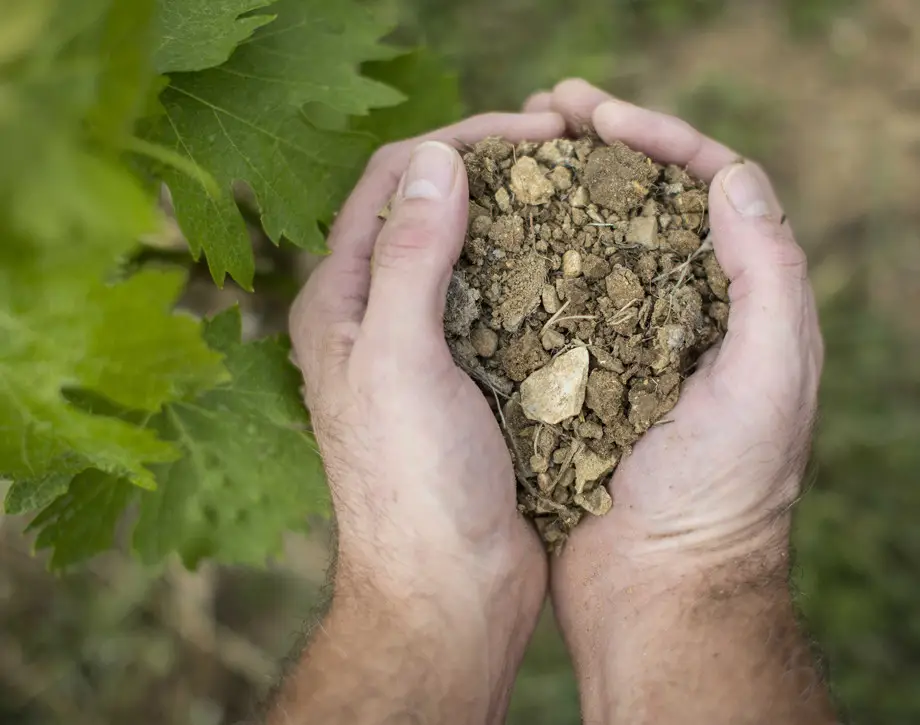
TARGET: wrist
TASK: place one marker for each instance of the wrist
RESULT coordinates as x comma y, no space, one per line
671,650
453,649
467,632
628,601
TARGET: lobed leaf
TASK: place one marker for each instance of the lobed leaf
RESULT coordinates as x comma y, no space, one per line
244,122
68,216
250,470
198,34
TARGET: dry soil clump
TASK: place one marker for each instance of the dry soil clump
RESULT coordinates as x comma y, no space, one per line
585,293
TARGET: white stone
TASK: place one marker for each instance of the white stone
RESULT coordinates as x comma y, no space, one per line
552,340
580,198
503,199
555,152
529,183
589,466
557,391
571,264
550,299
597,501
643,231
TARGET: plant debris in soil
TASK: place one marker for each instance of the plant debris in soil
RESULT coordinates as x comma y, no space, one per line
585,293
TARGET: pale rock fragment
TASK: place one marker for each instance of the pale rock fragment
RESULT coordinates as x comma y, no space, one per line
571,264
529,183
557,391
590,466
580,198
596,501
643,232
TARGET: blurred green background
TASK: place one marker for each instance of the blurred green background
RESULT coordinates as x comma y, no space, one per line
826,94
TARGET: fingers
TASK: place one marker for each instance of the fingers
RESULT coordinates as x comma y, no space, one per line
357,226
343,279
538,102
665,138
773,346
575,100
415,254
332,304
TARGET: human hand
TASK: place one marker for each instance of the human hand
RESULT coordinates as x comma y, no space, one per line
719,480
421,479
702,505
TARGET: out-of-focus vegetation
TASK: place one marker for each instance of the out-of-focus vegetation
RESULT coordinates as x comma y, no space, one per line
824,93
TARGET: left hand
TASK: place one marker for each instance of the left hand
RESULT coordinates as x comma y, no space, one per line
709,496
422,483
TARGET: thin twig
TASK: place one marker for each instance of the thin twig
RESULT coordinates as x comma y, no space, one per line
706,246
576,317
573,451
552,320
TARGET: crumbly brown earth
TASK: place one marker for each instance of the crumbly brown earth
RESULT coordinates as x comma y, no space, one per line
585,294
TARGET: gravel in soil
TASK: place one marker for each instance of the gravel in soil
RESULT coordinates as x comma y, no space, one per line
585,293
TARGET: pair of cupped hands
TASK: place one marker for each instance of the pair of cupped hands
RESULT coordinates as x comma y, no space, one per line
422,483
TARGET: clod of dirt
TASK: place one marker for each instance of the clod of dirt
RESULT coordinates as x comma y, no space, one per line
585,293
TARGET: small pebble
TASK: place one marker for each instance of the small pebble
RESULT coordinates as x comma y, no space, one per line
571,264
484,340
553,340
550,299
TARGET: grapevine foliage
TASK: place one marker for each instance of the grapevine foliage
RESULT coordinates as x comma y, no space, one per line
110,399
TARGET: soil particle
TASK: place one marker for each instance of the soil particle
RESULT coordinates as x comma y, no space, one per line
716,278
485,341
522,291
571,263
590,467
529,183
557,391
597,501
604,395
461,308
683,242
523,355
643,232
618,178
507,232
624,287
583,297
594,267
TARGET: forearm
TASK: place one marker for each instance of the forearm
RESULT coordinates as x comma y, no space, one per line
375,661
711,645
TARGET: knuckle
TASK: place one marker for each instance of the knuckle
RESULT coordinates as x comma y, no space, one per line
302,315
792,258
337,340
402,242
569,85
785,256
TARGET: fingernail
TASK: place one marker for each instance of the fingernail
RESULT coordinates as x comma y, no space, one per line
745,191
431,172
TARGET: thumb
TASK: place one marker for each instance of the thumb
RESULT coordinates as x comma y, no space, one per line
415,252
772,327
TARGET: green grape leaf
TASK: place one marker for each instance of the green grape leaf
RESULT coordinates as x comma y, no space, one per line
72,70
69,213
127,74
41,491
199,34
243,121
121,342
432,89
81,523
250,469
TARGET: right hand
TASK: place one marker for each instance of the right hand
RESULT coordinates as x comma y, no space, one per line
716,486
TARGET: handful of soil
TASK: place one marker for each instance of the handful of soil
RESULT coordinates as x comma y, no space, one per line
585,294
